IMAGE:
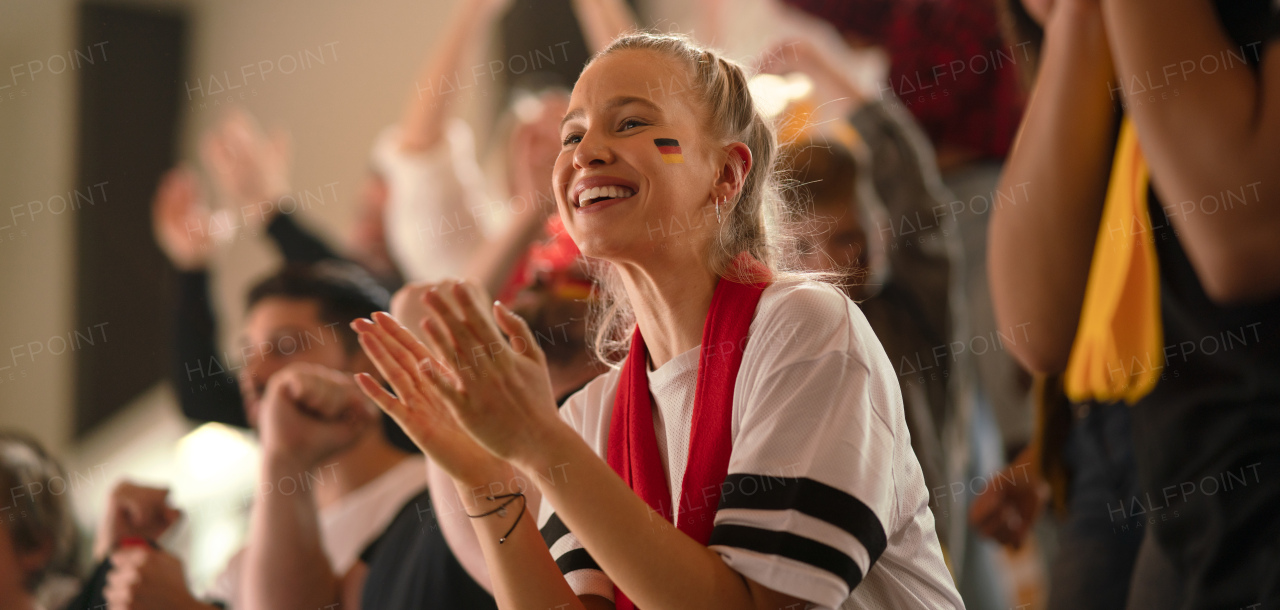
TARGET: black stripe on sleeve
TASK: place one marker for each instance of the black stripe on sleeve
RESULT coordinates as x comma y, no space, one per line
810,497
577,559
570,561
791,546
553,530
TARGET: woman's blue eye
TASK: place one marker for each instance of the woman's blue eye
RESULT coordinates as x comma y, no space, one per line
627,124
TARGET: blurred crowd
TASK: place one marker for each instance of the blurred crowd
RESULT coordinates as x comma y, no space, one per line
1004,207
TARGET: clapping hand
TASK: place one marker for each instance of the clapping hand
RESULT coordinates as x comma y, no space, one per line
471,398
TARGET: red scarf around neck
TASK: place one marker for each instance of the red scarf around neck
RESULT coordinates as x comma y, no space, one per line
633,443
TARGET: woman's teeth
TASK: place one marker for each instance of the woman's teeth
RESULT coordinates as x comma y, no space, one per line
600,193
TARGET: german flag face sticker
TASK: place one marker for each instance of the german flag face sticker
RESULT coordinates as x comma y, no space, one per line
670,150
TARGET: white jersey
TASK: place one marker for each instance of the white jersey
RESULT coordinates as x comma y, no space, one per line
347,527
824,499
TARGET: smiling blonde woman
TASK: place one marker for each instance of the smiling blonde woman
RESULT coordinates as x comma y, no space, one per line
750,451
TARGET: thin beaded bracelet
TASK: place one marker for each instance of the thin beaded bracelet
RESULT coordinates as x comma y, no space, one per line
502,511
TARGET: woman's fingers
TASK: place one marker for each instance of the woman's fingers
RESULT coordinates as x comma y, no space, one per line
404,347
443,357
403,382
402,335
444,390
386,336
521,338
436,339
462,339
472,300
380,396
401,413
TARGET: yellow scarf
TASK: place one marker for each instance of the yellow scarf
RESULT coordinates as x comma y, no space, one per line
1118,352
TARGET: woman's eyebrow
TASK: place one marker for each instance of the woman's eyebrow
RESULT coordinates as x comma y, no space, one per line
616,102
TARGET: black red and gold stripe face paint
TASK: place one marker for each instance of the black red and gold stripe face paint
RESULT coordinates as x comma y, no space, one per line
669,149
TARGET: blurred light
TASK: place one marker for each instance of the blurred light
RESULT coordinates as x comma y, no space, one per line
774,93
214,451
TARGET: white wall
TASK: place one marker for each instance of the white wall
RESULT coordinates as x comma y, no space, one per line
370,54
36,257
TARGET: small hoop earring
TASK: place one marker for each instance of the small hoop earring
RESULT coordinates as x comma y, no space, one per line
718,221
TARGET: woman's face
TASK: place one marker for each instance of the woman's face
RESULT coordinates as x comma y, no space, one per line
635,131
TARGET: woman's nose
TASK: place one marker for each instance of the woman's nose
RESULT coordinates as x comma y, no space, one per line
592,150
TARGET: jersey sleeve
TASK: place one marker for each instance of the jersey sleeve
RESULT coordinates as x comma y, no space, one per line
582,412
810,493
581,571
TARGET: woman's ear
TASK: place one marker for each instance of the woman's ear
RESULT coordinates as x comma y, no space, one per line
733,174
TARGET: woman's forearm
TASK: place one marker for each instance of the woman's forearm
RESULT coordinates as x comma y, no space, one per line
455,526
522,573
1054,185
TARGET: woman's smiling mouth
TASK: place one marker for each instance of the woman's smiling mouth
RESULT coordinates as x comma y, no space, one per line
597,192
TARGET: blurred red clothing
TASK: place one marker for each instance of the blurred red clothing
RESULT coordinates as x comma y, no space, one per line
947,63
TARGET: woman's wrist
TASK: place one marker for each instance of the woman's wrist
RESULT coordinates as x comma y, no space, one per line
540,445
480,491
548,461
544,461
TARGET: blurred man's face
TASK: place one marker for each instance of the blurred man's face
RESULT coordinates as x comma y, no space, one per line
280,331
836,239
556,307
373,195
369,236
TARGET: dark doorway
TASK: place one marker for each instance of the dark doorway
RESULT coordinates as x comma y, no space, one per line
128,136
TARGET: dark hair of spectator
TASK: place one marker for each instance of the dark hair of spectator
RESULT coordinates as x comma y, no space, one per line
38,510
342,291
